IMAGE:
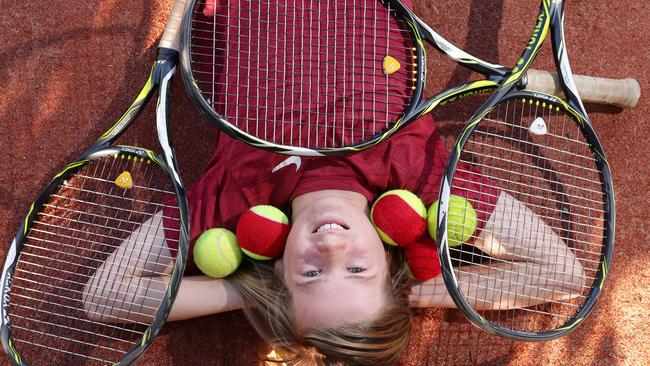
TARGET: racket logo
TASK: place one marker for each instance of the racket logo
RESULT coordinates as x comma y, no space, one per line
138,152
536,31
459,96
288,161
538,127
5,299
534,38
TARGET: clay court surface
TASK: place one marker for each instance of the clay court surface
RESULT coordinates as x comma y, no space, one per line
70,68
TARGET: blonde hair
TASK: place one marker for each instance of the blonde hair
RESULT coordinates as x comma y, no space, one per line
378,342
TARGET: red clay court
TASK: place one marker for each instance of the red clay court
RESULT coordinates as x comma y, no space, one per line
70,68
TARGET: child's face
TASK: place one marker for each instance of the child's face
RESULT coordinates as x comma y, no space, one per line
334,265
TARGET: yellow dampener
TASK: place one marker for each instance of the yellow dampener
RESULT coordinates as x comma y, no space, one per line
391,65
124,180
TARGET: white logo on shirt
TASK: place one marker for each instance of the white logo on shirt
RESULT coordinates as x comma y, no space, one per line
288,161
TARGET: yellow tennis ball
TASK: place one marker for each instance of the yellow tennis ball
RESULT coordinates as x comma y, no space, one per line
216,253
461,221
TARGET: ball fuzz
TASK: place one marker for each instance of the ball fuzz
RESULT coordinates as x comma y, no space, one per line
399,217
461,221
216,253
262,232
421,258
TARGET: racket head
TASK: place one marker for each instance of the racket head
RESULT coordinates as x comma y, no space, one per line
541,152
74,225
303,79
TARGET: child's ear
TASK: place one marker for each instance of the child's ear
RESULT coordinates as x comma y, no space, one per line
279,267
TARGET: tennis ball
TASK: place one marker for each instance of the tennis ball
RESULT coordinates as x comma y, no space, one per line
216,253
399,217
461,221
421,259
262,232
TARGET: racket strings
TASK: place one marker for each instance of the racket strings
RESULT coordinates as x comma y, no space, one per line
310,74
34,260
540,211
76,296
254,39
89,225
369,7
305,74
392,100
576,199
535,254
495,267
565,162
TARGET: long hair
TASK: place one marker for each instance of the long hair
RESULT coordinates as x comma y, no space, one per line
376,342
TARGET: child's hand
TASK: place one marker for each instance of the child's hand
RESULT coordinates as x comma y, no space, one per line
208,10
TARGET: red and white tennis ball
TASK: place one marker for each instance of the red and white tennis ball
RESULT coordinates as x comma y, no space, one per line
216,253
262,232
421,259
461,221
399,217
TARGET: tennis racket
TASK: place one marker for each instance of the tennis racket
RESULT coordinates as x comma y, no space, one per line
61,303
528,195
326,77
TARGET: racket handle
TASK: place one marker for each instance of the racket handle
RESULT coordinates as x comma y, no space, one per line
170,37
619,92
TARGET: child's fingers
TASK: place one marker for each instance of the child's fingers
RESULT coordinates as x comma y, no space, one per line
208,9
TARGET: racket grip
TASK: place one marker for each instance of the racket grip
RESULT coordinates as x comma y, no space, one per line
624,93
170,37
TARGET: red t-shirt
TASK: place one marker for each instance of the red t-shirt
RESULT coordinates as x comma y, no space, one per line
239,176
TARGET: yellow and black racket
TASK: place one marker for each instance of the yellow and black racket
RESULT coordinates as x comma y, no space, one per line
58,305
526,213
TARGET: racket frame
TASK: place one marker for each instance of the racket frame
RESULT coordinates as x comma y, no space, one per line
420,32
550,19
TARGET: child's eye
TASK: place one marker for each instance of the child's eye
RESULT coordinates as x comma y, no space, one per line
312,273
356,269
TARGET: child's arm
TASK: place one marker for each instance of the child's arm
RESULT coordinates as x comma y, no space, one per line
130,284
537,265
202,295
